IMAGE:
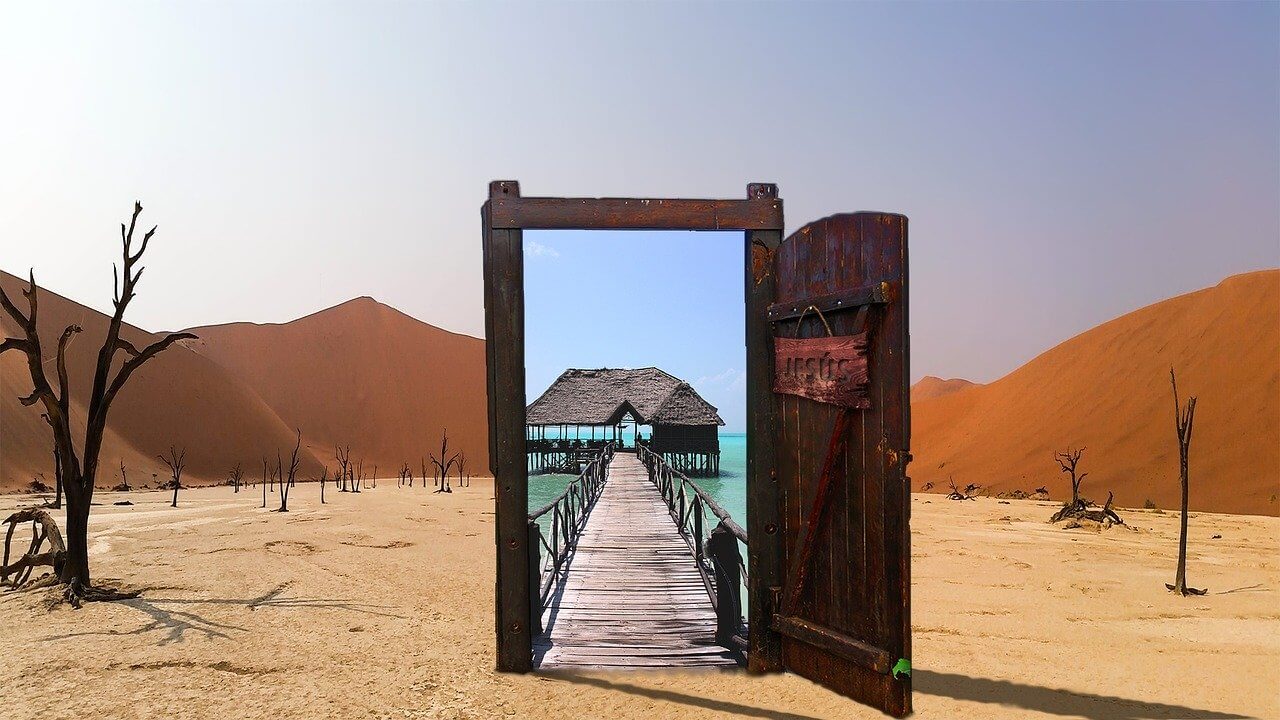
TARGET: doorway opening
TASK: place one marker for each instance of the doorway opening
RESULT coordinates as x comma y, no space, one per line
634,346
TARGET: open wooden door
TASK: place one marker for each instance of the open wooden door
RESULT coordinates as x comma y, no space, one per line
842,430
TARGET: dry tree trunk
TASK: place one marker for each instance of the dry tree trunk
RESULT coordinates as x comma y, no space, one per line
293,470
443,465
176,462
1183,420
1067,461
344,467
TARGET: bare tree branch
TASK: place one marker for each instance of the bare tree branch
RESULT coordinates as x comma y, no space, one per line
136,362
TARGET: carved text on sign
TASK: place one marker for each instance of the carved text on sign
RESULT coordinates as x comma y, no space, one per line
830,370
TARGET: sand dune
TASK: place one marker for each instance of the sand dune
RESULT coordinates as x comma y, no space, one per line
360,374
931,386
178,398
1108,390
366,375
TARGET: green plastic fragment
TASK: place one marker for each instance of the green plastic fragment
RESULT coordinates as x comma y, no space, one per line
902,669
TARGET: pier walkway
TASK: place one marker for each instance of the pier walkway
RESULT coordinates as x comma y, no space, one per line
630,592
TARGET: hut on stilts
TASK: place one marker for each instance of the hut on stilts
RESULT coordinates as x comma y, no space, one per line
584,409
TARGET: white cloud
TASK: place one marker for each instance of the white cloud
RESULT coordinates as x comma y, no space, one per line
731,377
533,248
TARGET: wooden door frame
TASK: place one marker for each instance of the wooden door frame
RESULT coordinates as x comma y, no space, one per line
505,217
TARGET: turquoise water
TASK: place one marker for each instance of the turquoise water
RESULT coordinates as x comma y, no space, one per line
730,489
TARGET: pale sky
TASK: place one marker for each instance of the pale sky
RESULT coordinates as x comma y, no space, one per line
1060,164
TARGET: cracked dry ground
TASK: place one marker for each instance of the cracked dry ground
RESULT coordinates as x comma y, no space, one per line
379,605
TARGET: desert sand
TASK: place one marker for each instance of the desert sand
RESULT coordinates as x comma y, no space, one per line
1108,390
380,605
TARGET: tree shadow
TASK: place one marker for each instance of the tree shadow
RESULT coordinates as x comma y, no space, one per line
1245,588
674,697
1054,701
179,622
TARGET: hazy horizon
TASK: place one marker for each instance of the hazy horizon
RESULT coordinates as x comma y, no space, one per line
1060,164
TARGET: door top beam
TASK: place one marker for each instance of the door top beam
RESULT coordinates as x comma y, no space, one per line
762,210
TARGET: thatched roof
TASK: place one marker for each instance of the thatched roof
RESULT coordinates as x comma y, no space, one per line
604,396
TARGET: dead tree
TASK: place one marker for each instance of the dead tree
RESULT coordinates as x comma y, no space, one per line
1068,462
43,528
236,475
293,471
1078,508
443,464
359,475
373,478
264,481
462,470
176,462
1182,420
958,494
79,473
124,479
344,467
323,477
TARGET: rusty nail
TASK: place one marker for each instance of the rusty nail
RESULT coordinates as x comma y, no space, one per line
770,528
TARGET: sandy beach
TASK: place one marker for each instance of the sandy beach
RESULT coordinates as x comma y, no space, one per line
380,605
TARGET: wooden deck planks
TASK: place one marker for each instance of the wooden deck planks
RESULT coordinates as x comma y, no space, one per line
632,597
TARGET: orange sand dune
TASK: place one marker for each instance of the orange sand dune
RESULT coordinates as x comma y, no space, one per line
366,375
932,387
178,398
1108,390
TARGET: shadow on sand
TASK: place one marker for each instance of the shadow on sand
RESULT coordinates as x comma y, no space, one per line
1054,701
179,622
959,687
673,696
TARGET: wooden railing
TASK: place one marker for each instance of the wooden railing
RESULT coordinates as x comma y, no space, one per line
716,554
568,516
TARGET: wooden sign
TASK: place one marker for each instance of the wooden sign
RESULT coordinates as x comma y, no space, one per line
830,370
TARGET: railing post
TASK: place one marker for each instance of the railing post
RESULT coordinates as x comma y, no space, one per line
725,558
555,537
535,581
697,528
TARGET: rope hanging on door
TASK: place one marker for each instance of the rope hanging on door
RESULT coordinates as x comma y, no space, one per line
827,325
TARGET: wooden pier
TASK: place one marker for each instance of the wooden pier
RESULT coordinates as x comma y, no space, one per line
630,591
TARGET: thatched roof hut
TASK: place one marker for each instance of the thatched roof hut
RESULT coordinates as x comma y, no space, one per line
684,424
604,396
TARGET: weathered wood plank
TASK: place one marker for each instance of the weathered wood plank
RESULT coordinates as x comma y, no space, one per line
632,596
533,213
504,319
